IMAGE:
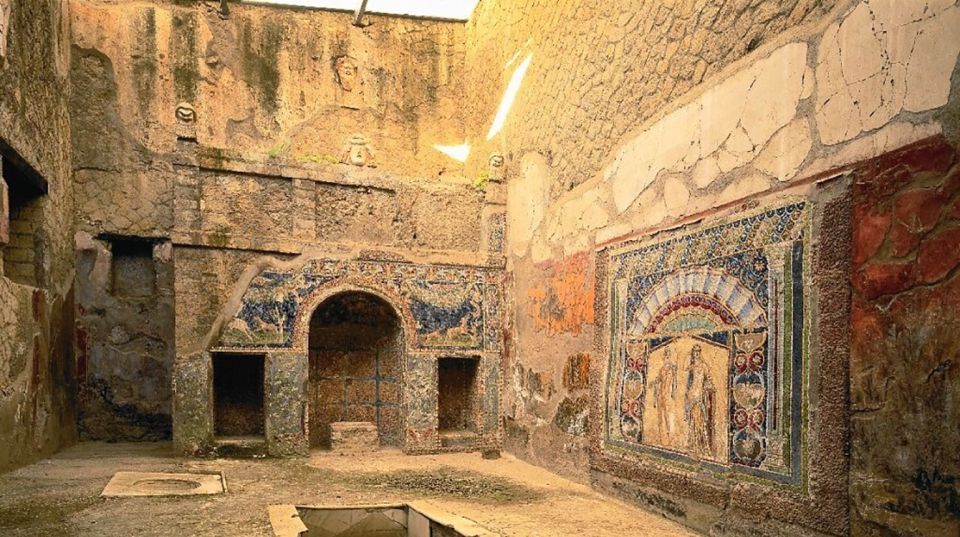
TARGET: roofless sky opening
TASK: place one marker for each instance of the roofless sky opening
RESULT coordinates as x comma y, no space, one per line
448,9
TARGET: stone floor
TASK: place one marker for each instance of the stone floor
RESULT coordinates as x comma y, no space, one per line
61,495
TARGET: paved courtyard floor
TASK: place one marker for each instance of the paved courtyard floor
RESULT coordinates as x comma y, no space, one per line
61,495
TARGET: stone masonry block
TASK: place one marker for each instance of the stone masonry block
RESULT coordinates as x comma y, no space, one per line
354,437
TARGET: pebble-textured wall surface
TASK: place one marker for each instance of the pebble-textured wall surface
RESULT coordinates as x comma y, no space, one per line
599,70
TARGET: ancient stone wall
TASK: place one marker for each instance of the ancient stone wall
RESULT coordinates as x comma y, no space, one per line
598,70
125,328
264,80
596,73
445,311
234,141
37,374
861,80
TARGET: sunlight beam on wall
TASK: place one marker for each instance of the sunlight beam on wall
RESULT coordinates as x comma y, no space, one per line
508,97
459,153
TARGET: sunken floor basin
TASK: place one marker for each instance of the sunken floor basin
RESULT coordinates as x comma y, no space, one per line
419,519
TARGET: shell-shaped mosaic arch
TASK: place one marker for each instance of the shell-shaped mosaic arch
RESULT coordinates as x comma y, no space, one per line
718,295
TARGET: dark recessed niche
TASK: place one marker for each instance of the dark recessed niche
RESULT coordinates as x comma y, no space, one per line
134,272
21,236
355,366
238,395
457,387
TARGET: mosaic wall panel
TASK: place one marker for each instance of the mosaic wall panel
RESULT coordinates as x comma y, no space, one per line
707,347
446,307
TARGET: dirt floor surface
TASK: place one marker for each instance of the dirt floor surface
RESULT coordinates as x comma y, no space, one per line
61,495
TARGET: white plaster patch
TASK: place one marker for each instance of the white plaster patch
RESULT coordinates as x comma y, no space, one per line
526,199
739,143
721,110
651,210
861,53
884,57
775,93
740,114
705,172
675,194
931,64
893,136
611,232
837,116
809,82
741,188
786,151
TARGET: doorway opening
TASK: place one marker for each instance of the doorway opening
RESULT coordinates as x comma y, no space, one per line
238,395
356,344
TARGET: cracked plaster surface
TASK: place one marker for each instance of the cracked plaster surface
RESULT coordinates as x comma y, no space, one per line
805,107
883,58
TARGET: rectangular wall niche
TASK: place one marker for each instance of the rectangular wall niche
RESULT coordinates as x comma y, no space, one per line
238,395
456,394
21,193
134,272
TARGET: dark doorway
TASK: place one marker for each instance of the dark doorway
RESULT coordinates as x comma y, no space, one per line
355,350
457,379
238,395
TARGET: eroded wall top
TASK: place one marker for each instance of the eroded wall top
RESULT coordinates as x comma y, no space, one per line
267,80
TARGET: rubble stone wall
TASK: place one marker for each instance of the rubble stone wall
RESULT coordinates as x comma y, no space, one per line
234,141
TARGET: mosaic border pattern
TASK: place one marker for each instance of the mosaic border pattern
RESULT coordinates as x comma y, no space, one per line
454,308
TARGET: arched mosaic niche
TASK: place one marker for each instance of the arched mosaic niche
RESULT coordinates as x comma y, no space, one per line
442,307
706,349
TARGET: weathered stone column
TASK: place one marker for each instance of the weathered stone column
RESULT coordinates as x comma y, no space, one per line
491,382
420,404
285,384
193,403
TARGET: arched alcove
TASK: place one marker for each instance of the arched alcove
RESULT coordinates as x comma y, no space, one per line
355,350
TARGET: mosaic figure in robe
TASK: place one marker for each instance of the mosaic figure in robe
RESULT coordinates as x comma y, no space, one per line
699,405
